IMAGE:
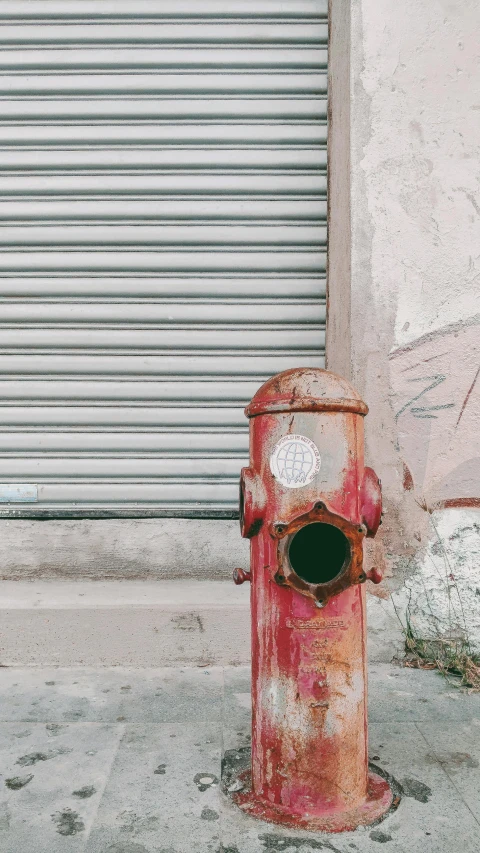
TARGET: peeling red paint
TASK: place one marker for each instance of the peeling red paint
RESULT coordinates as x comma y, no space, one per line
457,502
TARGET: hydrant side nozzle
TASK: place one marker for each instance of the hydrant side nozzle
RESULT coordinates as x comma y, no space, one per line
252,503
240,576
375,575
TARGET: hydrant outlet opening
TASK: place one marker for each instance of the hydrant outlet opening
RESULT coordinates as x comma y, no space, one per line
319,552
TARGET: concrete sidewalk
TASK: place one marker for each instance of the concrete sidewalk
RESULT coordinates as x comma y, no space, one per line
129,761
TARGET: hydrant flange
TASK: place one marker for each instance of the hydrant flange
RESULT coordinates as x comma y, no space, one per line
351,570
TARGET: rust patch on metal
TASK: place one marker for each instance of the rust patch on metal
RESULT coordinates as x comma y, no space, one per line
378,801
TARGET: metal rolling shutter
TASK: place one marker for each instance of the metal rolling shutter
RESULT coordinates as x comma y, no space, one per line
162,224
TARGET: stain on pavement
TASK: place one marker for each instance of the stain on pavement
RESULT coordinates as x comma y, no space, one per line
18,782
68,822
34,757
85,792
416,790
204,781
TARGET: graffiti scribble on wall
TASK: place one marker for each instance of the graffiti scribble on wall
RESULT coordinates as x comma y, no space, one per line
435,384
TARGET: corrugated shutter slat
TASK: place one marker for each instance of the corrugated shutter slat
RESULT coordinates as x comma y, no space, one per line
163,241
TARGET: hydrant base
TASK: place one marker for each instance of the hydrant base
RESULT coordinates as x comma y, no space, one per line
379,799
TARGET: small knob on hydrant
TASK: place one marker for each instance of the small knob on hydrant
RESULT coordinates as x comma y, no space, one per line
375,575
240,576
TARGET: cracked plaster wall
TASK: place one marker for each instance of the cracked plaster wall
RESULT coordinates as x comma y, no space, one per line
415,288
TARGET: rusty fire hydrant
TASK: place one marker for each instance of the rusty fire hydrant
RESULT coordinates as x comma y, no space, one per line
306,503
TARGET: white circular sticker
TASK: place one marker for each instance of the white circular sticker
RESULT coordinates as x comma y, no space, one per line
295,461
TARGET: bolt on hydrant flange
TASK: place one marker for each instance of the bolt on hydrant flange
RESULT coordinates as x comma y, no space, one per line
306,503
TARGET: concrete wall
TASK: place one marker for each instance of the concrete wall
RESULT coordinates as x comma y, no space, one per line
412,292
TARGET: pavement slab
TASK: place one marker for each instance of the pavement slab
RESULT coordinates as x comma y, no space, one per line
163,791
416,695
127,760
52,780
457,750
112,694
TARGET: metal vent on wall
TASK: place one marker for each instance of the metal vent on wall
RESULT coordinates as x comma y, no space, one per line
163,234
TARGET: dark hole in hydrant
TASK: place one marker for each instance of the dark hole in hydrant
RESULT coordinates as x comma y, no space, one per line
318,552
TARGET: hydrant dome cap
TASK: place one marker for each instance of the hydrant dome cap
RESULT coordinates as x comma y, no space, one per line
307,389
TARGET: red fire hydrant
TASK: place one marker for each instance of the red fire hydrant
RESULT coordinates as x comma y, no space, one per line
306,504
